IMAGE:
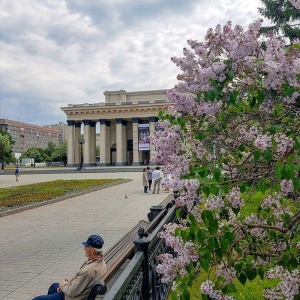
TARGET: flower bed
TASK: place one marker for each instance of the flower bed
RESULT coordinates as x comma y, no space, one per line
14,197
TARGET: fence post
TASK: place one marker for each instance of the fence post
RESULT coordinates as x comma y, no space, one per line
141,244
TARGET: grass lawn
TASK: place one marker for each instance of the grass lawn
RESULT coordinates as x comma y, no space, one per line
19,196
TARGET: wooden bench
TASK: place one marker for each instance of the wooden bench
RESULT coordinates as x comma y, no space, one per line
124,248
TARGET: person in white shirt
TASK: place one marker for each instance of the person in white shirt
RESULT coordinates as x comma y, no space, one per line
156,177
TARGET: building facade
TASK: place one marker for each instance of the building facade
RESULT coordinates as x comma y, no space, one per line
27,136
62,127
126,120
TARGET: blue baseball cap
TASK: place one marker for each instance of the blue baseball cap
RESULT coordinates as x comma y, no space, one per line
94,241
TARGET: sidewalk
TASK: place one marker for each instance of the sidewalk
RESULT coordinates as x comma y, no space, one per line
43,245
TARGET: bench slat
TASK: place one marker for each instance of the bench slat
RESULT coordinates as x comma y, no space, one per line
124,248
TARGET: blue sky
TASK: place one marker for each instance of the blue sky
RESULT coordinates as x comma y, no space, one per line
56,52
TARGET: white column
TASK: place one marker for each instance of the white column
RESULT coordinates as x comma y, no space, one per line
119,142
71,144
93,143
152,122
124,138
102,142
77,145
87,143
108,142
135,142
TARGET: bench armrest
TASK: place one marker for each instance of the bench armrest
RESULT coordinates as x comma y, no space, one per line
98,288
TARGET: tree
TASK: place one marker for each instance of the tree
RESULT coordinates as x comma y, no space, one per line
50,149
38,154
231,139
60,153
6,144
283,15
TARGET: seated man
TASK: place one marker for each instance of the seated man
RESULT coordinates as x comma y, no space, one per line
78,286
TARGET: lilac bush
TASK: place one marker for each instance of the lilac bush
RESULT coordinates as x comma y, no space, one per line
232,135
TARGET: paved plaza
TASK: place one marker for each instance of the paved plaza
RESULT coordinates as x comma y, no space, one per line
43,245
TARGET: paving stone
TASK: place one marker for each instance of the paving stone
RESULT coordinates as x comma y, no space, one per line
43,245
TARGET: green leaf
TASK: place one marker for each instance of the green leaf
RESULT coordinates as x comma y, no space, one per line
296,46
256,155
289,171
260,96
260,60
201,235
199,97
242,279
204,263
214,226
217,174
251,273
211,244
236,210
230,74
238,250
160,114
174,295
229,288
233,97
178,211
207,216
206,190
296,183
278,172
242,188
224,244
186,295
214,189
267,155
293,262
297,144
262,187
210,222
184,235
209,95
191,219
261,273
229,236
177,231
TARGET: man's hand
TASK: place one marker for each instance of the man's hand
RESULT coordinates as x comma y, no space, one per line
63,282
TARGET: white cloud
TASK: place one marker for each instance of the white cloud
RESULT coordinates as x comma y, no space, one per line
55,52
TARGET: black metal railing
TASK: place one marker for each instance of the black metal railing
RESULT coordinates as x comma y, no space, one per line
139,280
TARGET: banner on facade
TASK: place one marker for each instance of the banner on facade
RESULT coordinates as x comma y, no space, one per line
144,137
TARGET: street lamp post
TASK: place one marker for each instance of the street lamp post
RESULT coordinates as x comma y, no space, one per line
81,142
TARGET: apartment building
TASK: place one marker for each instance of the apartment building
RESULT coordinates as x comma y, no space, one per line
27,135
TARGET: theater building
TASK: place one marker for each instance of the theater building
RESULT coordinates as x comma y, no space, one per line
126,120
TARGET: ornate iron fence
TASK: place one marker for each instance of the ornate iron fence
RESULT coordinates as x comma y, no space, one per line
139,280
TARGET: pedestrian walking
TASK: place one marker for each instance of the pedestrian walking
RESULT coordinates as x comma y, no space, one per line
17,173
156,177
145,180
149,175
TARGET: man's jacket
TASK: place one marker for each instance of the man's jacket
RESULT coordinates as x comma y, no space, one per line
78,286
